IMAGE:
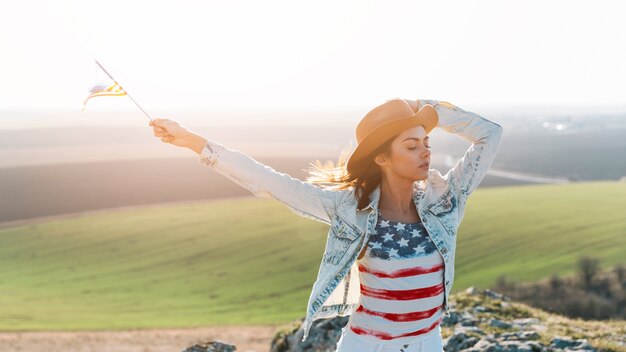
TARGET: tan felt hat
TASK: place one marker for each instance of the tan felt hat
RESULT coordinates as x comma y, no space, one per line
385,121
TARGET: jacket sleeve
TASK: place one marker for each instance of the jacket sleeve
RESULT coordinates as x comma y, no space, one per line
303,198
485,136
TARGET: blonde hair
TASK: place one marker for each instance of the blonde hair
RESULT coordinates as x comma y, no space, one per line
331,176
367,175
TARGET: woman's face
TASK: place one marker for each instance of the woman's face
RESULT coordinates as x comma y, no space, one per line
409,152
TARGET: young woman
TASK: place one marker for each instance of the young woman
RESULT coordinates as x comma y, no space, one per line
389,256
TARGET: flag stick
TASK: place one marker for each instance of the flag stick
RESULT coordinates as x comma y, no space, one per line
131,98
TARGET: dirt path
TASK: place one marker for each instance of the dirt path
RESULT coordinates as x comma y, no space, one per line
246,338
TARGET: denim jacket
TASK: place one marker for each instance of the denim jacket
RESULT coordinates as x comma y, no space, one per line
440,202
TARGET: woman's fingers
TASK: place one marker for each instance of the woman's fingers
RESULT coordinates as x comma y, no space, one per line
160,129
160,123
157,130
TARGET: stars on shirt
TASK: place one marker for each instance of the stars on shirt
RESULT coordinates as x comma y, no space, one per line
393,252
395,240
419,248
399,227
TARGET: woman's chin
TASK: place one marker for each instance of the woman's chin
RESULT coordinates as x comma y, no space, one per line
422,176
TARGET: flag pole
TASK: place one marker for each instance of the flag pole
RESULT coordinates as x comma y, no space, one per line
131,98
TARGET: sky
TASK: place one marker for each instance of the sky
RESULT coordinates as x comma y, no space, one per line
177,57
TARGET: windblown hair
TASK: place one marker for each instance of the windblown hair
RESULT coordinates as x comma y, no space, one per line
367,176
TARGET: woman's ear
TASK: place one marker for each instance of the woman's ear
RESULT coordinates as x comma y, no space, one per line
381,159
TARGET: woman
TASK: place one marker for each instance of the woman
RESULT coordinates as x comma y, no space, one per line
389,256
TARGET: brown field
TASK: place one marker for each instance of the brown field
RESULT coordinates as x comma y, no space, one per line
246,338
45,192
48,190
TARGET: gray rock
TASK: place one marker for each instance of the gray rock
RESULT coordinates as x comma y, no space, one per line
211,346
484,345
323,337
452,320
571,344
507,346
481,309
495,295
521,335
499,324
525,321
466,329
522,346
529,335
459,341
467,319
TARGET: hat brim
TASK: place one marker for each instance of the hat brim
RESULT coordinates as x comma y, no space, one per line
426,116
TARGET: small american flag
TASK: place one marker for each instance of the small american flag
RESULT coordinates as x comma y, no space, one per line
100,90
112,88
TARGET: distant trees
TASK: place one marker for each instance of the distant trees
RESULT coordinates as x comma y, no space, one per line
588,268
590,294
620,272
556,283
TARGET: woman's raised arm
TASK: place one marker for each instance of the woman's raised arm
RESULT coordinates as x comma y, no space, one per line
485,136
303,198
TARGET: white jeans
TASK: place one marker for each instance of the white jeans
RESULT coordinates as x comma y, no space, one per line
351,342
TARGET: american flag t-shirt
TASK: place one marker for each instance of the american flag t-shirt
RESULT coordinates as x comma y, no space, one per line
402,291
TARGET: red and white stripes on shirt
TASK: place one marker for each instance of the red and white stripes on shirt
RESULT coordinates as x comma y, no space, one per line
402,291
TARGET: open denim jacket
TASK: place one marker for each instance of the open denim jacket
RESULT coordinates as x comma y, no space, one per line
440,202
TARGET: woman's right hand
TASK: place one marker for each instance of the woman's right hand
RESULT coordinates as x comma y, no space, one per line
172,132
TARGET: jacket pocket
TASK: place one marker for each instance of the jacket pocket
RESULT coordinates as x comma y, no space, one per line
445,210
341,236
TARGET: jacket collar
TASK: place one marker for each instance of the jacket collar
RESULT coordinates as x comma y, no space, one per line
375,197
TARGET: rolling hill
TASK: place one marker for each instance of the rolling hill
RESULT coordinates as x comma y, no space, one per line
252,261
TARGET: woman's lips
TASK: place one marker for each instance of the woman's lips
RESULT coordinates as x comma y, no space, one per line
424,166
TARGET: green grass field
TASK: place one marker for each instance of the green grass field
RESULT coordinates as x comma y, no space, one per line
252,261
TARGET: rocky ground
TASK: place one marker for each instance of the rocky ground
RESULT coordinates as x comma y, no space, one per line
486,321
